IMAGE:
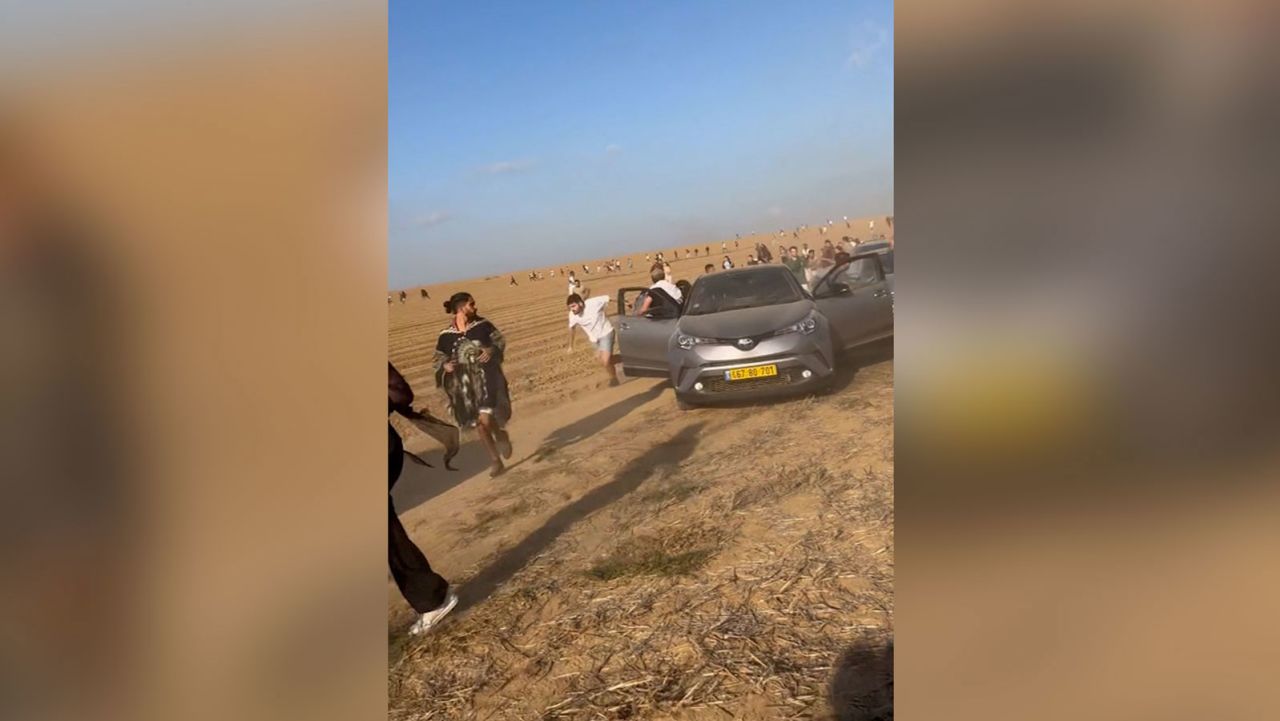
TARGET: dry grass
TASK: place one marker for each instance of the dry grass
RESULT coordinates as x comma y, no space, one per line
490,517
684,617
677,552
670,493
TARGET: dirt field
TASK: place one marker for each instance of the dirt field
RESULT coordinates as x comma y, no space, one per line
641,562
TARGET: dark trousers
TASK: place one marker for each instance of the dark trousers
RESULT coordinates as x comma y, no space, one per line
423,588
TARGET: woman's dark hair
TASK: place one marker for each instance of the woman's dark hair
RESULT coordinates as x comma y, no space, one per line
573,298
456,301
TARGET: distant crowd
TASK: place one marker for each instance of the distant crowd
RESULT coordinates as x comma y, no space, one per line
803,260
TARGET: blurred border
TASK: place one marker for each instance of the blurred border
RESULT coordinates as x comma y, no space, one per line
193,217
1085,409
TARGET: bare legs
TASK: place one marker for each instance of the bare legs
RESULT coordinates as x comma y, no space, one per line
609,362
496,442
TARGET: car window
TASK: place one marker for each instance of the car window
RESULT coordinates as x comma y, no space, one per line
860,272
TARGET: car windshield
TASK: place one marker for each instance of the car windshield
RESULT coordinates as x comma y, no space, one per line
718,293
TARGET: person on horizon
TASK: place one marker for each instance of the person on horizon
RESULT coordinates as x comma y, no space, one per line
425,294
468,365
727,264
425,590
591,316
575,286
707,251
513,281
708,269
403,296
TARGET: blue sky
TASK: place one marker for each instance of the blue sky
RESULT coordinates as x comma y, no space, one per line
527,134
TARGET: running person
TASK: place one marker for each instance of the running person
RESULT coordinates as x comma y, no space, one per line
591,316
468,364
425,590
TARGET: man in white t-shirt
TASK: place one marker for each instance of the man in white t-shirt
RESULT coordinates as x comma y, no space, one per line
661,280
590,315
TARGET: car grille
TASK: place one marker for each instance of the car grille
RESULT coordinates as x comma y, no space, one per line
720,385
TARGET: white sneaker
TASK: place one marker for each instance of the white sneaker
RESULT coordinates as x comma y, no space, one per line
431,618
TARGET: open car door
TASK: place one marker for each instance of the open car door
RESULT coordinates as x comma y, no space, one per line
857,300
643,340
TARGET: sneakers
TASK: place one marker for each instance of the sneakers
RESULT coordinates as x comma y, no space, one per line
429,619
497,469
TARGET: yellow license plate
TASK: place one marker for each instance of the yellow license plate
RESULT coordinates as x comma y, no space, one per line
742,374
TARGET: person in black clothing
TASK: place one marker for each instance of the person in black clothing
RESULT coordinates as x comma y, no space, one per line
425,590
468,365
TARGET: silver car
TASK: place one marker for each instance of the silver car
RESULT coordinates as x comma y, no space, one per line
881,247
756,332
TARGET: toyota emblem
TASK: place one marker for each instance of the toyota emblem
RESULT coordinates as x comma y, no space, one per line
745,343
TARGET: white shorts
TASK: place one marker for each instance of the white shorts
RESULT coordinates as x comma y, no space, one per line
605,344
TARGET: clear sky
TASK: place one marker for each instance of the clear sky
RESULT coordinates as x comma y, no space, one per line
529,134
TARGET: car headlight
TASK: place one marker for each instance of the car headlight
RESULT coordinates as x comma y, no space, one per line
687,342
806,326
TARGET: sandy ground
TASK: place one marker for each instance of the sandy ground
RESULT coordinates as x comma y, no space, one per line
641,562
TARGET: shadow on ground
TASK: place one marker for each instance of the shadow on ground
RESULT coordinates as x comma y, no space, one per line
419,484
862,687
584,428
628,479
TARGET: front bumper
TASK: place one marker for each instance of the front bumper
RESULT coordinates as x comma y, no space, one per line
803,362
